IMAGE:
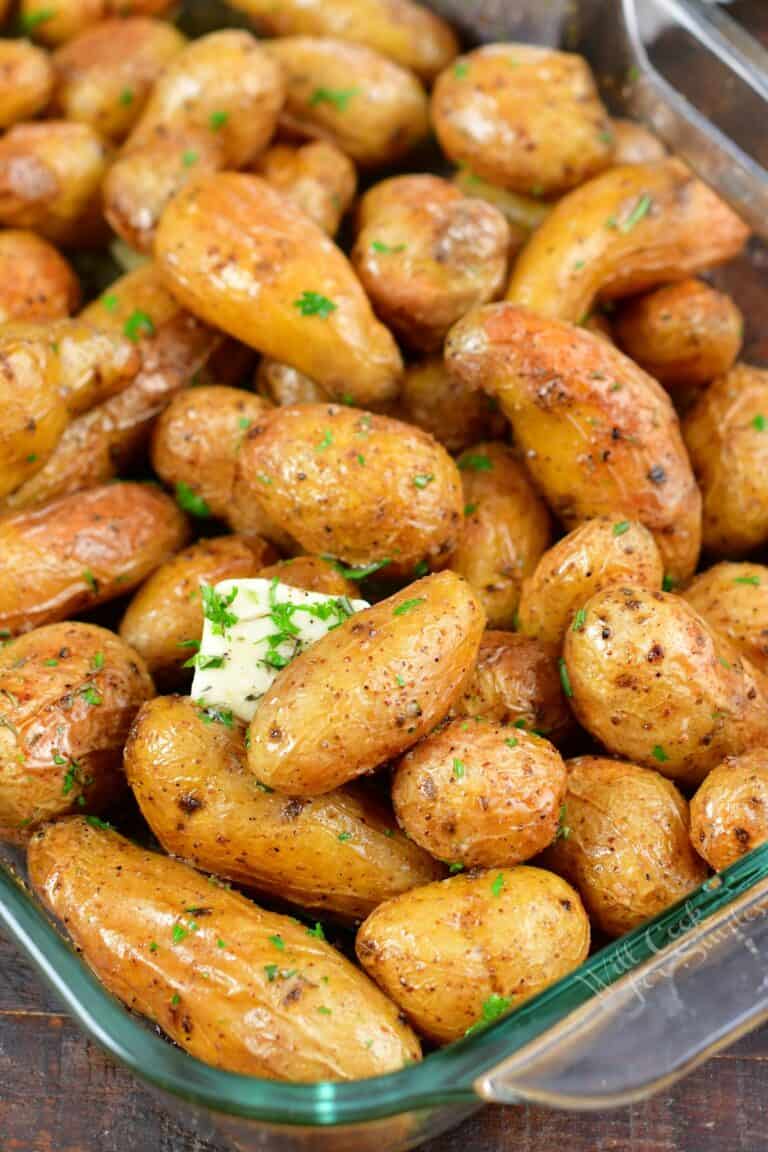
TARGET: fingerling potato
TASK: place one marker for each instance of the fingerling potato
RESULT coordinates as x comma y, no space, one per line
524,213
282,384
318,177
733,599
442,405
26,80
36,282
313,574
729,812
68,18
633,143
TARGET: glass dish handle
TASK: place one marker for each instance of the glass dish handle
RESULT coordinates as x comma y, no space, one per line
654,1024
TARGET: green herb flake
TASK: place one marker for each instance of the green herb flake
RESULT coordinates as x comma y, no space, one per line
210,715
511,742
317,931
217,120
343,837
221,943
314,304
338,97
179,933
361,459
189,644
579,620
387,249
641,209
90,695
563,831
271,971
244,422
263,478
189,158
400,681
110,302
668,584
215,608
191,501
421,569
278,942
659,754
493,1008
620,528
470,509
90,580
52,663
31,20
422,480
326,441
474,462
126,97
458,768
153,945
201,661
754,580
103,825
175,999
455,867
408,606
137,325
460,68
97,661
565,679
498,884
759,422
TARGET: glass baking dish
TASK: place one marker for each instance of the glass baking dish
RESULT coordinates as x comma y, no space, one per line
638,1014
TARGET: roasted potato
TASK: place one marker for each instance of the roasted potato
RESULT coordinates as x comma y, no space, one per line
368,690
36,282
598,435
523,213
624,843
360,487
317,177
442,405
506,529
599,554
313,573
69,693
282,384
26,80
236,986
733,599
82,550
729,813
468,949
238,255
633,143
654,683
71,17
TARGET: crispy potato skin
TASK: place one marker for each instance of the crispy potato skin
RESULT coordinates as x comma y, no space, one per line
71,17
339,710
729,813
480,794
116,899
167,610
313,574
36,282
440,951
439,403
359,487
725,436
599,436
241,257
26,80
69,693
444,253
593,243
318,177
654,683
523,117
83,550
600,553
633,143
627,849
204,806
733,599
383,113
507,526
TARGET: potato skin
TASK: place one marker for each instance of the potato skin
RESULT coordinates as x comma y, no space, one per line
626,847
26,80
339,710
340,853
598,435
83,550
357,486
71,17
654,683
117,899
36,282
281,384
442,950
313,574
598,554
439,403
231,222
318,177
733,599
69,693
729,812
633,143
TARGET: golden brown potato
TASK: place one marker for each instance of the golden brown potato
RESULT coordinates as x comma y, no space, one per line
624,843
524,117
313,574
506,528
36,282
516,680
164,620
215,106
69,694
26,80
238,255
282,384
726,434
523,213
317,177
237,987
367,690
729,813
50,181
340,853
68,18
627,230
442,405
599,436
733,599
82,550
653,682
633,143
599,554
465,950
105,73
480,794
359,487
425,255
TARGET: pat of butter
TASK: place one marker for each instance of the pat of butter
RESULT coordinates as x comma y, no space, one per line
252,629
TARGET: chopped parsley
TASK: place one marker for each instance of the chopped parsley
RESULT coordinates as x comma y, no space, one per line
97,661
191,501
189,644
408,606
326,441
579,620
278,942
215,608
71,777
754,580
620,528
153,945
759,422
52,663
338,97
324,1011
498,884
210,715
217,120
110,302
244,422
271,971
90,580
189,158
199,660
317,931
379,246
90,695
511,742
422,480
221,943
668,584
659,754
314,304
563,831
179,933
358,573
31,20
343,837
494,1007
455,867
126,97
95,822
475,462
175,999
460,68
137,325
400,681
641,209
458,768
565,679
470,509
421,569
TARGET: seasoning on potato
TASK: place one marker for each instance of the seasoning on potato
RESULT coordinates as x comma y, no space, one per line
318,177
26,80
36,282
457,416
733,599
729,812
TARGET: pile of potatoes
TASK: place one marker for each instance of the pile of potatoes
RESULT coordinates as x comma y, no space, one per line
508,411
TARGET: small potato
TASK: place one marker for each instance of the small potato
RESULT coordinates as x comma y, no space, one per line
239,256
516,681
624,843
425,255
83,550
312,573
439,403
483,794
653,682
368,690
165,617
633,143
599,554
26,80
359,487
318,177
69,694
507,527
524,213
733,599
69,18
726,434
627,230
36,282
236,986
599,436
214,106
729,813
524,117
281,384
105,74
446,951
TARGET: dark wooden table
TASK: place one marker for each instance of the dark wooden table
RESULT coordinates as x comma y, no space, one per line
58,1093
